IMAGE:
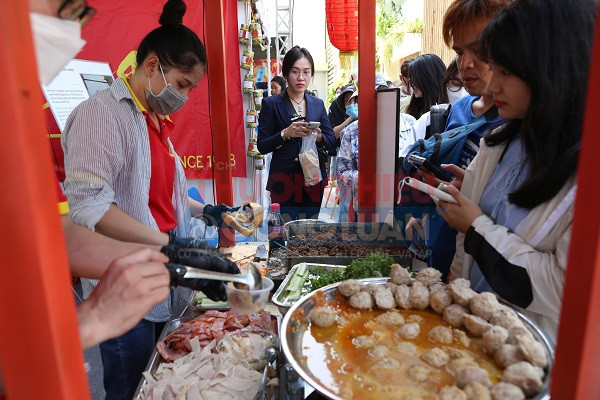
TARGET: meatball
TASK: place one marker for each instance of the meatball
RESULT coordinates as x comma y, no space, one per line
524,375
323,316
461,337
494,338
407,348
475,325
363,341
453,314
371,288
440,300
532,351
418,373
341,321
507,354
414,318
362,301
441,334
484,305
452,393
349,287
419,296
379,351
462,295
436,287
391,286
471,373
507,391
390,318
402,296
456,354
506,318
386,363
435,357
399,275
453,366
516,331
429,276
384,299
409,331
477,391
460,282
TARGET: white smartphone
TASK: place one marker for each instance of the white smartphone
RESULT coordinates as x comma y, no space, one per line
312,125
430,190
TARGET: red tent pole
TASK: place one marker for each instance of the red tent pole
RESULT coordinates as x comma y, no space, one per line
40,351
576,372
367,123
219,114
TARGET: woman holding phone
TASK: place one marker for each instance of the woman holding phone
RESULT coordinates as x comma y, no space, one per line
515,207
283,122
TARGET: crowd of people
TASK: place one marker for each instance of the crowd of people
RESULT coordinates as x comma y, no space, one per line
523,64
517,79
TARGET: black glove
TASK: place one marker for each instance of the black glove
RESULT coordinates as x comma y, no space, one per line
211,215
189,242
208,259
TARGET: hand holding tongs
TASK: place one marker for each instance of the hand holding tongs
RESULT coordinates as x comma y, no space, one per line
182,275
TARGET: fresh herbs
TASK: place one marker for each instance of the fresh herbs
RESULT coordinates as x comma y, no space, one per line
373,265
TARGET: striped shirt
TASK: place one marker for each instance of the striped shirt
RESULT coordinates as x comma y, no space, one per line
107,161
348,155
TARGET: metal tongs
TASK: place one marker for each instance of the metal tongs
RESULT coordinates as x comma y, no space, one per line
251,280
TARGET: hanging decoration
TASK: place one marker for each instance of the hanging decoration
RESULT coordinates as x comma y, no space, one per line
342,28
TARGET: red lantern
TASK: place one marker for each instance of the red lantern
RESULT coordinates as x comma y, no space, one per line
342,27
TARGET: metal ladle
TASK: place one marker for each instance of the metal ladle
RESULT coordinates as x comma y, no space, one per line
249,281
270,352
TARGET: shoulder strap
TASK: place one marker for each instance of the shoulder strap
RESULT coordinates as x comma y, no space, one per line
556,215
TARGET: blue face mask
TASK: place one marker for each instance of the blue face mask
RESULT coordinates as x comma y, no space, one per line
352,110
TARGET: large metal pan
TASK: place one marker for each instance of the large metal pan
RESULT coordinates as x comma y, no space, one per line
292,333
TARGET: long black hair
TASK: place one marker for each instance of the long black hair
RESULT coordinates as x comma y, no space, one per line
175,45
548,45
426,73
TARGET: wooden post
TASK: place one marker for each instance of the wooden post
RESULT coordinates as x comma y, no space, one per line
40,350
432,40
576,373
219,114
367,123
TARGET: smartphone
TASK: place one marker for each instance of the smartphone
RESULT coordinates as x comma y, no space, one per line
312,125
425,165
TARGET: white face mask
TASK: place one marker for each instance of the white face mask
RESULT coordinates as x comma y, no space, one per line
453,96
57,41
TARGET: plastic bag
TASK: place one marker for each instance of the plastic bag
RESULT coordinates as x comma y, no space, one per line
309,160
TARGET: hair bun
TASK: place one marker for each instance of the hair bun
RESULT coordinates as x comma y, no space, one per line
173,12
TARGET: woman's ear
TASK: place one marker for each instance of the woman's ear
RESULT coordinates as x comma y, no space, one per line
150,64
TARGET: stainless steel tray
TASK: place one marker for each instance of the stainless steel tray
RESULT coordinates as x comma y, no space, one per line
292,336
170,326
155,359
284,305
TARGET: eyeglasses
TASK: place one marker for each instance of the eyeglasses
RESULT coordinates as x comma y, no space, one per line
76,10
305,74
454,85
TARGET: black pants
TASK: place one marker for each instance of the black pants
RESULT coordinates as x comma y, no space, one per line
298,201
